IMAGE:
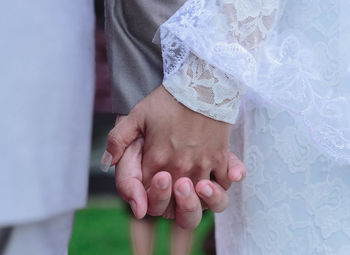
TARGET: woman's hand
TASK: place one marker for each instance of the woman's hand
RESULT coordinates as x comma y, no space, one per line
184,144
177,140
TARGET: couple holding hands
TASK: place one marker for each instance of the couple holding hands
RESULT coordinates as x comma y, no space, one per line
262,81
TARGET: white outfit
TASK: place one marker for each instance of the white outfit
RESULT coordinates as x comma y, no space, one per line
289,63
47,237
46,96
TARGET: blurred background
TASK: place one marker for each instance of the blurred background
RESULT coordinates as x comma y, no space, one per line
104,226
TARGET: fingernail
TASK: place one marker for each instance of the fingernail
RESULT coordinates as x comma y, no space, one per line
163,183
206,191
184,189
133,206
106,161
240,177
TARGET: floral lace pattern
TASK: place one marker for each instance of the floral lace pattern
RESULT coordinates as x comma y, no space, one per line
294,70
214,93
295,199
206,90
294,83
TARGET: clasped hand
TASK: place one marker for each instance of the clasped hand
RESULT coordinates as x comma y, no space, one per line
171,161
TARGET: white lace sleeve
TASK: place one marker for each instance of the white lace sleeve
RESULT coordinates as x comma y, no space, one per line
288,71
206,90
226,35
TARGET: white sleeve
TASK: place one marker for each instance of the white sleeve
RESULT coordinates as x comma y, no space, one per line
210,49
214,50
206,90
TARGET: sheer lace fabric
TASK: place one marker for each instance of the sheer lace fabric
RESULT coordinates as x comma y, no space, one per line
278,53
206,89
295,199
241,27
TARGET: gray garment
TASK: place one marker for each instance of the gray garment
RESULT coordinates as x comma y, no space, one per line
135,62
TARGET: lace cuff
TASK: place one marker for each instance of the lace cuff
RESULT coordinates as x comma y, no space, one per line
206,90
285,67
226,36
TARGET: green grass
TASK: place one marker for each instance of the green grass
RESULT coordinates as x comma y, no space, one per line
103,229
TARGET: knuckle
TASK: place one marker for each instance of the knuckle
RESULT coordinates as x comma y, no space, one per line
122,186
158,198
161,199
183,166
115,139
220,158
158,158
205,164
157,206
131,120
188,207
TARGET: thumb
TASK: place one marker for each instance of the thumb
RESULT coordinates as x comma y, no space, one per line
120,137
128,179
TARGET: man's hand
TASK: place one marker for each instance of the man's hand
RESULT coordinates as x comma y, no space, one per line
155,200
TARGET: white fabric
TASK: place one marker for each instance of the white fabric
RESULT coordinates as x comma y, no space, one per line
226,35
264,46
46,96
48,237
205,89
295,199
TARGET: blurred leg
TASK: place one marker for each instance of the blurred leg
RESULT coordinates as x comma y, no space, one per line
5,234
181,240
142,235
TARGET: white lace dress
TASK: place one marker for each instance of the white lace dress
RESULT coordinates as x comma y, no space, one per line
279,71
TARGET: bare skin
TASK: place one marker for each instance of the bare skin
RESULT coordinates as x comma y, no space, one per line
183,149
155,200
